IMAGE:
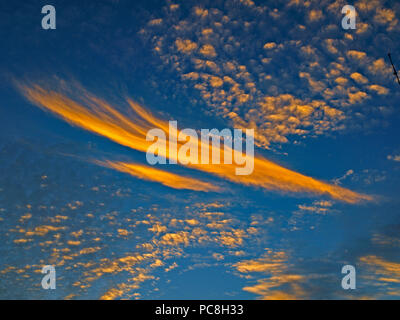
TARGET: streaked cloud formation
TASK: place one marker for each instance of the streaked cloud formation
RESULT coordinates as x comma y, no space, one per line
166,178
96,115
280,285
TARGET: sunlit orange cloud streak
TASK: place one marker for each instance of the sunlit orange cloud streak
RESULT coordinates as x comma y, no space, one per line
98,116
166,178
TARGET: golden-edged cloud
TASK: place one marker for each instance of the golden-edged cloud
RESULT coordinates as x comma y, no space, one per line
387,272
166,178
280,285
98,116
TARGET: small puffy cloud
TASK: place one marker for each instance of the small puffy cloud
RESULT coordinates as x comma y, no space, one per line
216,82
269,45
155,22
357,55
367,5
298,3
359,78
315,85
362,27
208,50
323,203
378,67
218,256
73,242
171,267
231,238
315,15
174,7
248,3
200,12
379,89
185,46
192,222
207,31
329,44
308,50
175,239
191,76
357,97
157,228
348,36
342,81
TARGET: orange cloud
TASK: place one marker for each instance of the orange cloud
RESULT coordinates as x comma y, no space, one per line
96,115
358,55
280,285
208,50
185,46
166,178
358,77
387,271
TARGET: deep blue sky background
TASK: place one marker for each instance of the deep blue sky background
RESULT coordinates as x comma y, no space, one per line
58,208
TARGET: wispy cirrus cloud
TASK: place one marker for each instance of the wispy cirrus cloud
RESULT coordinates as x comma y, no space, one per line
168,179
96,115
281,284
394,157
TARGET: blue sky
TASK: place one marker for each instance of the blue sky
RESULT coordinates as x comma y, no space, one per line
323,103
